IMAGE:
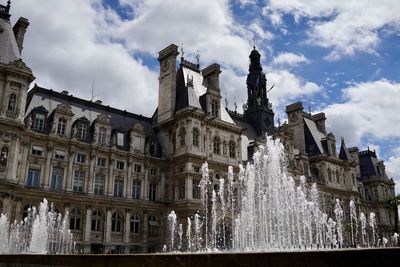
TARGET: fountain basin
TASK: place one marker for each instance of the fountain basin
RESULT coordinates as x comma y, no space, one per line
336,257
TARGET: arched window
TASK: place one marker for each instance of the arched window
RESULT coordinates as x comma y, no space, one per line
214,108
353,178
97,221
182,136
4,156
135,224
12,101
116,222
196,136
75,219
232,149
217,145
337,177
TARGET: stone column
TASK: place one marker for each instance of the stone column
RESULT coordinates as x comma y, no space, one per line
188,188
146,185
108,227
162,187
24,162
128,188
70,174
4,104
88,224
13,155
47,173
110,178
145,231
127,227
18,210
91,173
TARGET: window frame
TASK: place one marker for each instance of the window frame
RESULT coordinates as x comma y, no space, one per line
78,183
33,178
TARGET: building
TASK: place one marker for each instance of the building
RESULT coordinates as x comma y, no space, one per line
118,174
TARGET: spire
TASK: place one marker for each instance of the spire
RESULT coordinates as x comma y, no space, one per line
344,152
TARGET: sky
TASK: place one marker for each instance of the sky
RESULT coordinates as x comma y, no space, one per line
337,57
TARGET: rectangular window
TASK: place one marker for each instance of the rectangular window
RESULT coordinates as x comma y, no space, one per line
61,126
196,193
99,181
153,171
37,150
101,162
152,192
138,168
81,131
120,165
135,225
182,189
136,188
102,136
80,158
118,187
33,178
120,139
60,155
79,181
38,123
56,179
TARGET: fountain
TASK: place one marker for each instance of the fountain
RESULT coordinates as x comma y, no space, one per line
271,211
42,231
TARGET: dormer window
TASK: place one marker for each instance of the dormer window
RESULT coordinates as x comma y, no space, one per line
102,135
214,108
62,123
120,139
38,122
81,131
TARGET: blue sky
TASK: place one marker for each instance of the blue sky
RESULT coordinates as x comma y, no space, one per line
339,57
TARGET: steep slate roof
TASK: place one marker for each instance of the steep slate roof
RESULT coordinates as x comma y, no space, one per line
344,152
9,51
120,119
188,95
369,167
313,137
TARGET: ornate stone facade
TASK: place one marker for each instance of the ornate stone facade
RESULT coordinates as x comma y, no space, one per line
119,174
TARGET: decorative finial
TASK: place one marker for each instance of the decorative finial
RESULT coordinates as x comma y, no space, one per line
8,6
279,121
198,57
226,101
235,104
309,109
254,43
182,52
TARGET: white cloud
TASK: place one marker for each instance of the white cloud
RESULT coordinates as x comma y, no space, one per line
289,59
68,47
344,26
369,108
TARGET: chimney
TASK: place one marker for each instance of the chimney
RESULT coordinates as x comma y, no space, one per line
19,30
211,75
319,120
